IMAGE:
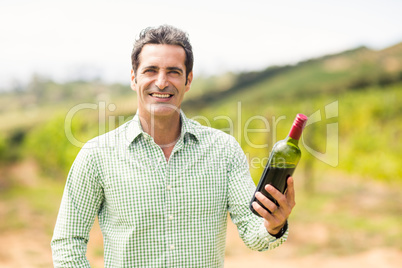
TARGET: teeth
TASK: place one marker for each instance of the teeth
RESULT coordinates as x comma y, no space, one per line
161,95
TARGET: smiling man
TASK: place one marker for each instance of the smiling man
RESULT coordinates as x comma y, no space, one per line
160,81
162,184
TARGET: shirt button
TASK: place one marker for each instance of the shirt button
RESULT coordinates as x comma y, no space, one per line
170,217
169,187
171,247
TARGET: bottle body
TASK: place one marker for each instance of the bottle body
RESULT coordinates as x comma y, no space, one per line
281,164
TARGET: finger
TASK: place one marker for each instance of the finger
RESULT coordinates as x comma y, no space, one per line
263,212
290,193
266,202
278,196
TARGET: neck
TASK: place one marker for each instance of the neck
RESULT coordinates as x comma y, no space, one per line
165,130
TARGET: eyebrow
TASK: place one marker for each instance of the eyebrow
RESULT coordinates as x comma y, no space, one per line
168,68
175,69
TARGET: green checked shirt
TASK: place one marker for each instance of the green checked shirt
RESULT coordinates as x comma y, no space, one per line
154,212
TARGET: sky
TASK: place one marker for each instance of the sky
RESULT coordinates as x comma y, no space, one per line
86,39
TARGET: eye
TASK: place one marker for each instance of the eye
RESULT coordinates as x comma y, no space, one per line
149,71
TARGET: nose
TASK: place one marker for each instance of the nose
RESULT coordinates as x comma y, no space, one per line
161,81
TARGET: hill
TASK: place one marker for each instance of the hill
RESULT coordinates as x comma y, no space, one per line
361,84
352,69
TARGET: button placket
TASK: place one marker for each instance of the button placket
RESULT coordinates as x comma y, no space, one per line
170,229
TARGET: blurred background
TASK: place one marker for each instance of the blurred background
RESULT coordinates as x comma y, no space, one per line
64,78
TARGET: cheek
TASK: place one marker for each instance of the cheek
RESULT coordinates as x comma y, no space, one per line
180,85
142,86
133,87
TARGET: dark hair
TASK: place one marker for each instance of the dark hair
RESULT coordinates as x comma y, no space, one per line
163,35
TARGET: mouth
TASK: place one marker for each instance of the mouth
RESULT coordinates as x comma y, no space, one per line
161,95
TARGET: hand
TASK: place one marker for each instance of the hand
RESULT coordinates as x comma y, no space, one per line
274,221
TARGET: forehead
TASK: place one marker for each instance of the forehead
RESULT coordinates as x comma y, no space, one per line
162,56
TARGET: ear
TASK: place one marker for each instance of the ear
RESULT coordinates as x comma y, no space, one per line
133,81
189,80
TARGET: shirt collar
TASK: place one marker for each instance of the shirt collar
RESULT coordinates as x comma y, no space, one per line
135,130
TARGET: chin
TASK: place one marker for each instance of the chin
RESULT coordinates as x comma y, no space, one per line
163,109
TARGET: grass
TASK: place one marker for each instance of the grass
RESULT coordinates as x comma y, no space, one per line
356,214
31,206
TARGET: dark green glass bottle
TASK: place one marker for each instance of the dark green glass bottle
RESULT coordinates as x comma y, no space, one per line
282,162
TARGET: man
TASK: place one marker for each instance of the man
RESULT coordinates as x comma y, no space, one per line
162,184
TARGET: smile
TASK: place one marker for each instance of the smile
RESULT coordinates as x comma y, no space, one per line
158,95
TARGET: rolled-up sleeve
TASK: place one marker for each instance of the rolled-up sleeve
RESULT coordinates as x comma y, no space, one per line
241,188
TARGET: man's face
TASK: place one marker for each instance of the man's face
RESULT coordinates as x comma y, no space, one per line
160,81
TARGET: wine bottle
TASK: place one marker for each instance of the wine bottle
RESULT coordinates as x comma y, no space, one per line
282,162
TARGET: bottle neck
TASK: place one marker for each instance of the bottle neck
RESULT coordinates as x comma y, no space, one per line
295,132
297,127
291,140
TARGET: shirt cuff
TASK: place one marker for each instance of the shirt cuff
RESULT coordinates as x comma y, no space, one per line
271,240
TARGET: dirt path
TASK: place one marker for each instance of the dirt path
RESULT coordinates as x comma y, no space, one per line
30,249
238,256
376,258
28,245
26,248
